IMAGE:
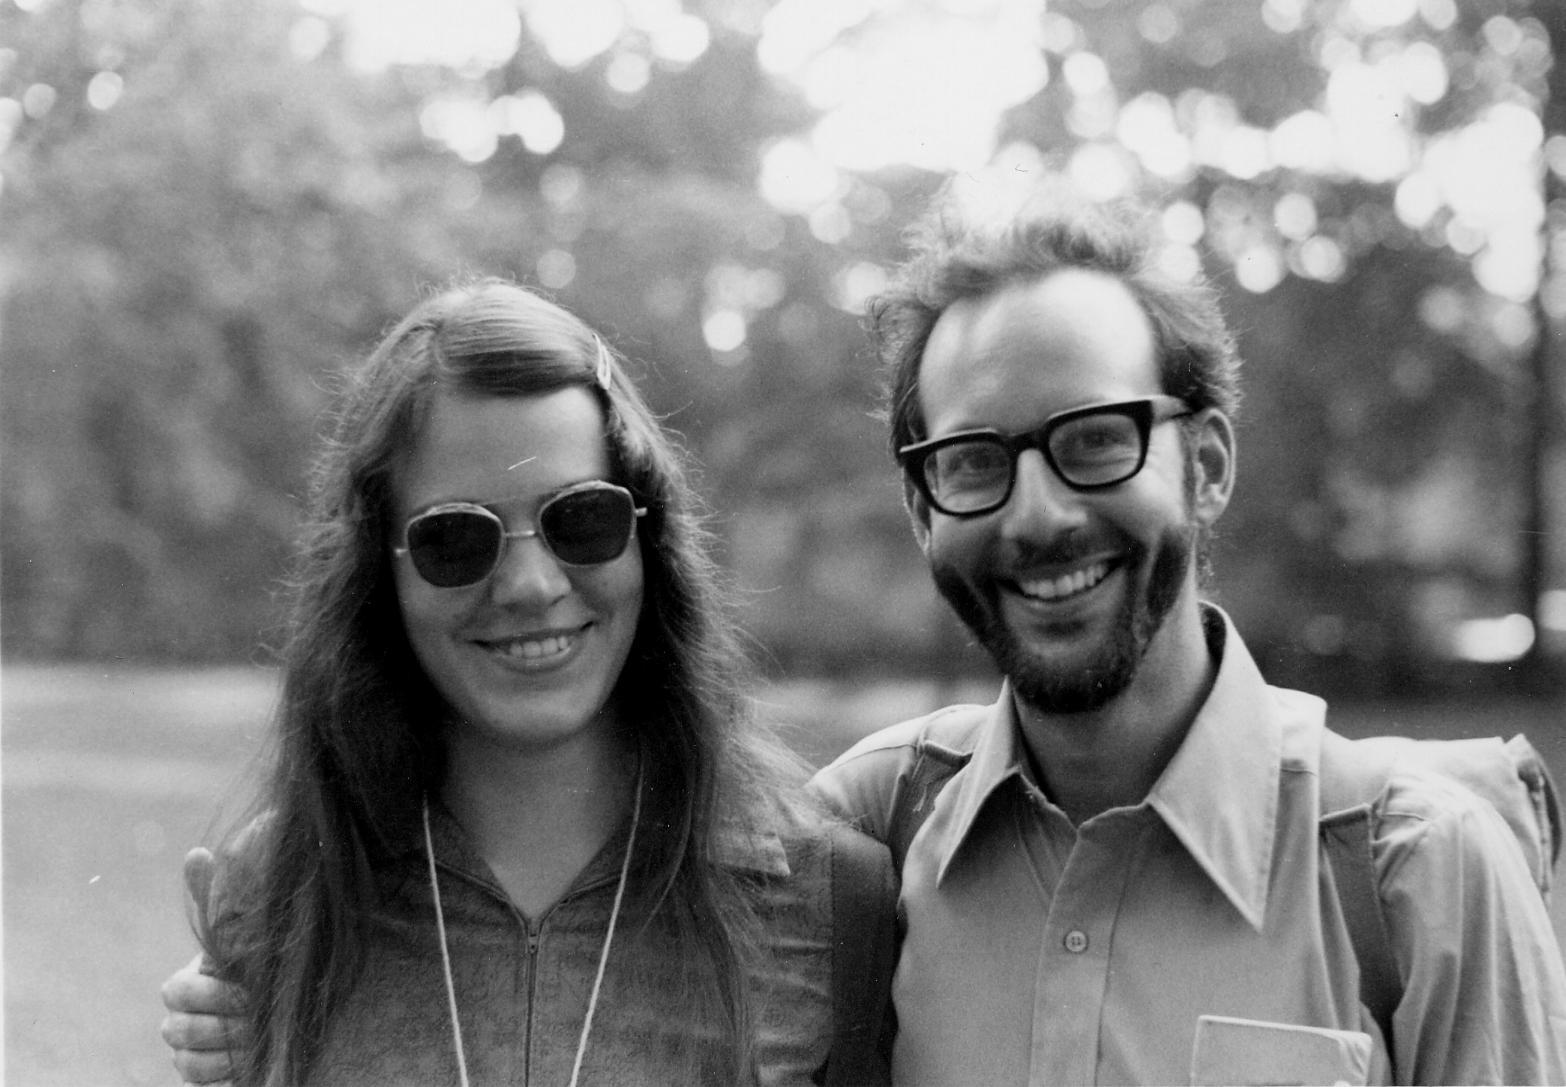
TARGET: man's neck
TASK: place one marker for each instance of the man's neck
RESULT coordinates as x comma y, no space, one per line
1112,756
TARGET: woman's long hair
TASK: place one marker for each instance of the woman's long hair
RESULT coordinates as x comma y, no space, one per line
358,739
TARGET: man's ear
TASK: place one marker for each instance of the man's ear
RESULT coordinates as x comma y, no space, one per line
1213,465
918,515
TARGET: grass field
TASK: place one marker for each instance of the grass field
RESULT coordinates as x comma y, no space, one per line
107,776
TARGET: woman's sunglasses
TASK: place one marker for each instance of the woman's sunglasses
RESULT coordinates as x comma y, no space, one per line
460,543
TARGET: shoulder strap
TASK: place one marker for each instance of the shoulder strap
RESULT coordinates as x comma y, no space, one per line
933,766
1510,777
864,955
1352,777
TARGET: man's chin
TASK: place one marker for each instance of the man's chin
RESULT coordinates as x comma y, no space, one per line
1068,685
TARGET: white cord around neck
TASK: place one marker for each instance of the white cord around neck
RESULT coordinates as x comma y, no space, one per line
603,955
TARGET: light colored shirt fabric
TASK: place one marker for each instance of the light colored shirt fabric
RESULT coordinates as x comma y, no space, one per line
1037,952
522,988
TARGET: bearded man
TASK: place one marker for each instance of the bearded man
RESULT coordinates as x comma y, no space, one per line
1117,873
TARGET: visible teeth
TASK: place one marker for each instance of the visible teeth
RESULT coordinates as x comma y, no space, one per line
534,648
1068,585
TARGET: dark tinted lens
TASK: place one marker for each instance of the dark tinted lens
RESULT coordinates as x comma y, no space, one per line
588,527
458,547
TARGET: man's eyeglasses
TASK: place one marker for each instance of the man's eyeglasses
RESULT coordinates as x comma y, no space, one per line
460,543
972,472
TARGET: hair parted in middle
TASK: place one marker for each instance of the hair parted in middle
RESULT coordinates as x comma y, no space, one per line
359,742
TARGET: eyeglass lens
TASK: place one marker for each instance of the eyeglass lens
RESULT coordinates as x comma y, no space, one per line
456,547
1088,451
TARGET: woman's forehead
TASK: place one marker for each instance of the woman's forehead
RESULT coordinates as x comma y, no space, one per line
478,447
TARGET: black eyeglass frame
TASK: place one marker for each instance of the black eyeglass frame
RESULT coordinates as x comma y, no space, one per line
1144,412
490,513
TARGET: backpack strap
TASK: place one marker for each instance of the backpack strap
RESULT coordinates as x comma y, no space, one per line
933,766
1352,778
864,955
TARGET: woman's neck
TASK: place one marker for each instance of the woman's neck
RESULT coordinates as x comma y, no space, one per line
538,816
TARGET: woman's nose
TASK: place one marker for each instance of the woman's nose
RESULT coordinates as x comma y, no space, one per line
528,573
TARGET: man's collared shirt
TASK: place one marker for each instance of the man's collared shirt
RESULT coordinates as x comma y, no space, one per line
1041,953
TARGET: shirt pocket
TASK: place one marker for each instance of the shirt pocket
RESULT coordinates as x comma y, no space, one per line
1250,1052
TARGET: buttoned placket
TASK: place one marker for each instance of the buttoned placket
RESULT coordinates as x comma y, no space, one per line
1084,883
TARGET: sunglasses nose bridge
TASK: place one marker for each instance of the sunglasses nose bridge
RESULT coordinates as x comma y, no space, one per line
527,573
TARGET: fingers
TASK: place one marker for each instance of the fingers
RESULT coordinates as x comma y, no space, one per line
202,1045
202,1024
185,1032
192,991
204,1067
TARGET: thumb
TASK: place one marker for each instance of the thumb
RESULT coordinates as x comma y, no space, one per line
199,867
198,878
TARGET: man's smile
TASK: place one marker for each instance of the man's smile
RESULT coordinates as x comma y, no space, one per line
1063,586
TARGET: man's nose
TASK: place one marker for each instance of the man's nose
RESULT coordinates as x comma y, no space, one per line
1041,504
528,573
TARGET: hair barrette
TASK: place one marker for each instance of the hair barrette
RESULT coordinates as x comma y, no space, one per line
605,367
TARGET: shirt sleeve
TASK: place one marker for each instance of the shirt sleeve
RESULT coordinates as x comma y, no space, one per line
1484,995
861,785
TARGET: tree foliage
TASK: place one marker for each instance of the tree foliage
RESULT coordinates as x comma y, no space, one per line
208,207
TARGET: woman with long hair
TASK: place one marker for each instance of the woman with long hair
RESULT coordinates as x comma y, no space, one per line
521,826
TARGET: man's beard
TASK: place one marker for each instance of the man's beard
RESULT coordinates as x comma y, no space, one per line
1052,689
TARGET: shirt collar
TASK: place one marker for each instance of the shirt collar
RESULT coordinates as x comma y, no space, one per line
997,759
1218,795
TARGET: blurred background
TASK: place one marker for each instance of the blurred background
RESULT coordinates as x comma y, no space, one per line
207,207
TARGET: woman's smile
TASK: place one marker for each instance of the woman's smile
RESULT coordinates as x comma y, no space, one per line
532,653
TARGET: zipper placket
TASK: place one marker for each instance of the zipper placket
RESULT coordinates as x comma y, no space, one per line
535,940
534,936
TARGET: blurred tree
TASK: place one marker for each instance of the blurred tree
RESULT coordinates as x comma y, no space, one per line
207,206
199,218
1362,177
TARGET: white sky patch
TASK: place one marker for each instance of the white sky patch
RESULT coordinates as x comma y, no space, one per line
575,32
925,82
795,31
462,124
1487,173
795,178
456,33
680,39
530,117
724,330
1295,216
1384,14
104,90
1369,112
1305,141
926,87
1148,129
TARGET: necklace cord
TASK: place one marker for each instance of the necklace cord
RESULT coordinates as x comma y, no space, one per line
614,916
603,955
445,952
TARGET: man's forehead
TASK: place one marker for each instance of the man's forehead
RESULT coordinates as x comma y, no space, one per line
1069,319
1040,304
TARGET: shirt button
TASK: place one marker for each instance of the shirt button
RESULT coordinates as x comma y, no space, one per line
1076,941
